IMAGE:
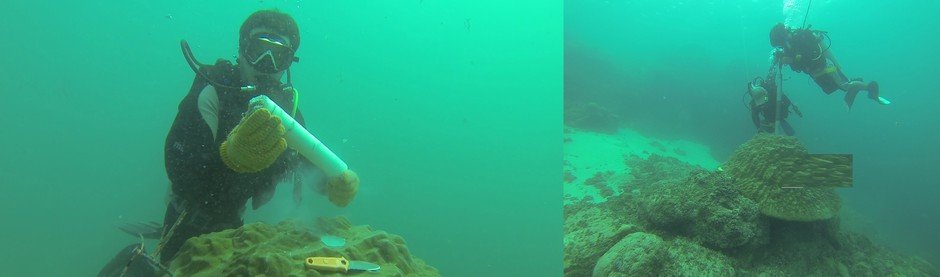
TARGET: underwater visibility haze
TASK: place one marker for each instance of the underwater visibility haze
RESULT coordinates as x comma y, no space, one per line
654,89
435,104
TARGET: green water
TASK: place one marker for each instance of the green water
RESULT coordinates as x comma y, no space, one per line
678,69
449,111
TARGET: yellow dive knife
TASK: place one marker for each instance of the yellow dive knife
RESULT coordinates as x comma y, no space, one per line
339,264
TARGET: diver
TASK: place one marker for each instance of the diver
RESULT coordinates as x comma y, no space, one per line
763,106
805,51
216,158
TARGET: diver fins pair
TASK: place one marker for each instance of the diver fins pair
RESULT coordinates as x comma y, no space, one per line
873,91
148,230
128,263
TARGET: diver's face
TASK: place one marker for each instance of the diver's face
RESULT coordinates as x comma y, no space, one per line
267,52
262,30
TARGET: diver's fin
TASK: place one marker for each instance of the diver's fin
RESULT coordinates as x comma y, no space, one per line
149,230
125,264
873,93
883,101
873,90
850,97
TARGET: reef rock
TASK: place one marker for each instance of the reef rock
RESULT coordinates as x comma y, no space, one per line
821,248
773,171
706,207
589,231
638,254
675,219
656,169
259,249
592,117
645,254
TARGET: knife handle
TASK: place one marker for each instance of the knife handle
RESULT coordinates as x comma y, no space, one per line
331,264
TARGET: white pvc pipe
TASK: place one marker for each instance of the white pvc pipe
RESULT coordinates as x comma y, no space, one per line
302,140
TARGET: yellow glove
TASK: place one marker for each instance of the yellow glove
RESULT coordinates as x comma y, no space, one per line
255,143
342,189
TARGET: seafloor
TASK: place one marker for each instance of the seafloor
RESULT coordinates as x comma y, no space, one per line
635,206
260,249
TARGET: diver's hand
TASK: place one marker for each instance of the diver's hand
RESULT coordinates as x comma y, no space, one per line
342,189
255,143
775,55
779,57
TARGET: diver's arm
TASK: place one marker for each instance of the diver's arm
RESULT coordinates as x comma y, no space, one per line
288,167
191,153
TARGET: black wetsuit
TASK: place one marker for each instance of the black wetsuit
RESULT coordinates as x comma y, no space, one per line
213,195
763,115
807,55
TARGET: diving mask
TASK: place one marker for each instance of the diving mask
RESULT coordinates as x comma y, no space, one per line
759,94
269,53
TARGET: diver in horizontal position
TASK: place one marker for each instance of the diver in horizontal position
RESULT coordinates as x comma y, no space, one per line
805,51
217,155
